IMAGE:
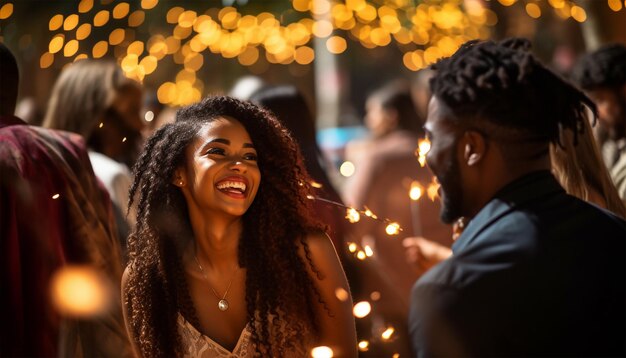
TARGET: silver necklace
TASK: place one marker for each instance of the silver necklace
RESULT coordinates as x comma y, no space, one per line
222,303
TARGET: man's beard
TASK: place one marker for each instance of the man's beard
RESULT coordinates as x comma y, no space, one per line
452,193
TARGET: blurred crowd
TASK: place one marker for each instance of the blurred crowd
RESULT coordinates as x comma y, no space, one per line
66,171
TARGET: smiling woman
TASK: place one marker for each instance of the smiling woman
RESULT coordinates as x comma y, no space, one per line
226,257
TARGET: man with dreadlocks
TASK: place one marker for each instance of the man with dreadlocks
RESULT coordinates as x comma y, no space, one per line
536,271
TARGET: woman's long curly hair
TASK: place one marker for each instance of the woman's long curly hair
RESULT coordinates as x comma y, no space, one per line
278,285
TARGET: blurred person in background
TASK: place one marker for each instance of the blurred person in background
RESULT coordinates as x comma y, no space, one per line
515,284
385,168
94,99
602,75
53,214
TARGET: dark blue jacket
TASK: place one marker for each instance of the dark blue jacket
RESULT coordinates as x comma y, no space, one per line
537,272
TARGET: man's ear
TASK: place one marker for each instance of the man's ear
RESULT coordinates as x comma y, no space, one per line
474,147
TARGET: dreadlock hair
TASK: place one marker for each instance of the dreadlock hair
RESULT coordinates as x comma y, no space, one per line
502,90
274,227
605,67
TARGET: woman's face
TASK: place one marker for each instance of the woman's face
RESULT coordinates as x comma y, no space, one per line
221,173
378,120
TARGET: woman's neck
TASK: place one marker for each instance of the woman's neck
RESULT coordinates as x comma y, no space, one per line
216,241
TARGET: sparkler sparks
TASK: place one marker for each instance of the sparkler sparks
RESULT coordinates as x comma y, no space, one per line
393,229
433,189
423,147
353,215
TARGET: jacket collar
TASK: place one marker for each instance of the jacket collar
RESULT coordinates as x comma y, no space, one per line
529,187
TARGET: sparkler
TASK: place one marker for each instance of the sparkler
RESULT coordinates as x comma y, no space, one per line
353,215
423,147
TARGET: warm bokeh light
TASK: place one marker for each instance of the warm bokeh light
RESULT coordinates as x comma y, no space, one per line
336,44
79,291
85,6
341,294
423,147
121,10
56,22
83,31
361,255
386,335
136,18
322,352
352,247
352,215
101,18
100,49
56,44
71,47
578,13
70,22
433,189
368,251
415,193
148,4
507,2
616,5
364,346
6,11
361,309
46,60
56,196
393,229
347,169
304,55
316,185
375,296
533,10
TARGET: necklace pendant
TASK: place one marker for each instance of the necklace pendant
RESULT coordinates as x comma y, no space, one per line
222,305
